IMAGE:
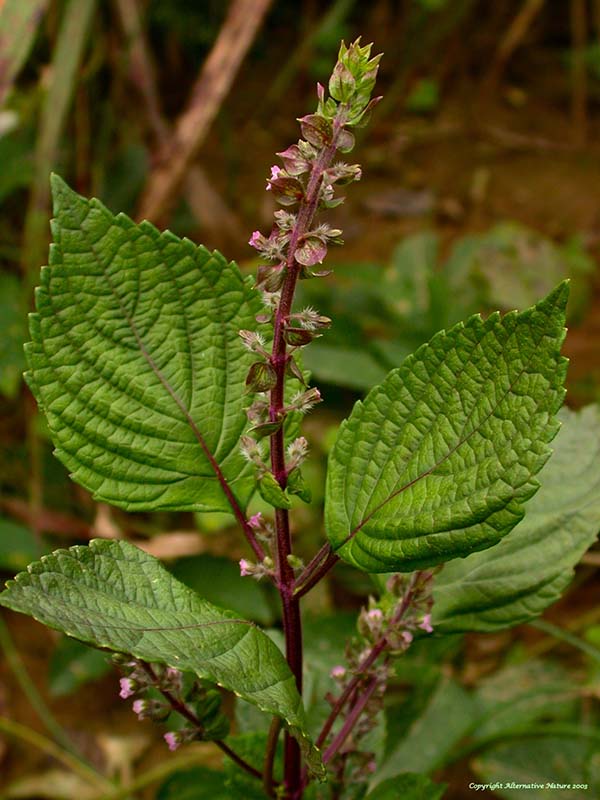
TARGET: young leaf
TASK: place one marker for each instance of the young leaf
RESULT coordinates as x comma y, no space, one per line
136,360
438,460
408,786
115,596
518,578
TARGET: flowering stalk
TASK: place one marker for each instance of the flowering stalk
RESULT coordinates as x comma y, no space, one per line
296,244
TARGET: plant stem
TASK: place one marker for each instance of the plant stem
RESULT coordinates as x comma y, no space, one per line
292,624
270,752
47,746
359,676
350,721
316,570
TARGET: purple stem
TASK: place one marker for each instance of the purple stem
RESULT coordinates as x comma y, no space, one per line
350,721
292,624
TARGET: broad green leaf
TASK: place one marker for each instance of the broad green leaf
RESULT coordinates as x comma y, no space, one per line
439,459
520,695
136,360
408,786
517,579
115,596
431,738
218,580
197,783
533,763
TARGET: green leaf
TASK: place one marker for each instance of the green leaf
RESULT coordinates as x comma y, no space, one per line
18,545
272,493
517,579
115,596
136,360
439,459
218,580
430,740
197,783
74,664
408,786
14,328
535,762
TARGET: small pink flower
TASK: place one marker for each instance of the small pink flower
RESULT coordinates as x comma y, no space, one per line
275,170
172,739
338,672
371,766
255,521
255,239
128,688
139,707
426,624
375,615
245,567
407,636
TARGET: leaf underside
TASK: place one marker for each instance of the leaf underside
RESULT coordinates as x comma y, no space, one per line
438,460
136,360
115,596
517,579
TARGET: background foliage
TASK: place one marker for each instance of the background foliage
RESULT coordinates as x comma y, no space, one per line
480,192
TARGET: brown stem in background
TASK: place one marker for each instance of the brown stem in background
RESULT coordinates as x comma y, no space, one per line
216,77
207,205
579,90
514,35
270,752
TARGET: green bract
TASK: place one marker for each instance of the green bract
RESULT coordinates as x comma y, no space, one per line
516,580
438,460
115,596
136,360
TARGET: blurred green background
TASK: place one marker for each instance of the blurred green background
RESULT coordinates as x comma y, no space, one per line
481,190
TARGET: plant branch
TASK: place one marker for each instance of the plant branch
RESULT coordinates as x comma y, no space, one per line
180,707
350,721
316,570
363,668
270,752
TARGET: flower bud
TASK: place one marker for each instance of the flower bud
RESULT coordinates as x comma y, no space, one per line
310,319
298,337
251,451
342,84
129,687
253,341
304,401
316,129
261,377
285,189
312,251
297,452
269,278
294,162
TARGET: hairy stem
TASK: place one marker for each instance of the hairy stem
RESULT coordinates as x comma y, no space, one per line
292,624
